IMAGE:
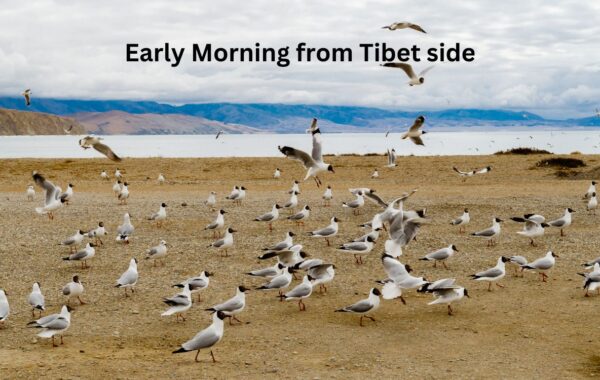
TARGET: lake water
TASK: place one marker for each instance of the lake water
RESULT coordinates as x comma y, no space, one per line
265,145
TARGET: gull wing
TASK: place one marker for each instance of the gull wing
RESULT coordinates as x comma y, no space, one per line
229,305
298,155
105,150
407,68
422,73
205,338
317,148
375,198
49,187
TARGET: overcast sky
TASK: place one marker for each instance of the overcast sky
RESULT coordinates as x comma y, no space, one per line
529,55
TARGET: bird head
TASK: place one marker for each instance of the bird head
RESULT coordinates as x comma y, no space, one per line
330,168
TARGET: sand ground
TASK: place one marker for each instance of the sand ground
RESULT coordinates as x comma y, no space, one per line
528,329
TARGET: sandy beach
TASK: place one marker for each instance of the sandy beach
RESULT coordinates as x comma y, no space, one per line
528,329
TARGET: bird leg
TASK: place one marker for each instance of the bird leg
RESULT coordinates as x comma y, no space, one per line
126,295
61,339
327,240
196,358
562,233
53,344
270,226
371,318
235,318
80,301
499,285
213,356
544,276
489,286
435,263
532,243
403,300
444,264
449,310
361,319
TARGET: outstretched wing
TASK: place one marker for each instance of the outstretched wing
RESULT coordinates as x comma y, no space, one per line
48,186
422,73
417,124
404,66
317,151
298,155
375,198
105,150
417,28
417,140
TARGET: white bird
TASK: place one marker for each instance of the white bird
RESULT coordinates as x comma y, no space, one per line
82,255
401,231
356,204
161,179
414,133
157,252
328,232
391,157
358,249
30,192
217,224
226,242
592,203
441,255
196,284
373,234
532,228
542,265
53,201
160,216
74,289
590,190
94,142
269,217
590,264
399,278
301,292
321,274
592,280
404,25
293,202
125,229
104,175
129,278
27,95
564,221
96,233
286,243
179,303
117,188
375,174
73,241
36,299
234,193
415,80
118,174
279,282
287,257
301,216
67,195
493,275
54,324
4,307
490,234
295,187
211,201
233,306
312,163
205,338
238,195
365,306
327,196
446,292
124,193
268,272
519,262
277,174
462,221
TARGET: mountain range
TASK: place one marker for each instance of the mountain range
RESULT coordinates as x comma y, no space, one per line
148,117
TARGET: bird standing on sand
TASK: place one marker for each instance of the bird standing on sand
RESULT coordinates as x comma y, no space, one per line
277,174
161,179
217,224
365,306
375,174
493,275
490,234
446,292
94,142
211,201
542,265
160,216
4,307
592,203
270,217
205,338
36,299
30,193
564,221
55,324
330,231
327,196
157,252
129,278
124,193
179,303
233,306
73,289
226,242
462,221
441,255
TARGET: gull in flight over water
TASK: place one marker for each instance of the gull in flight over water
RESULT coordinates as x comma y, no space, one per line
94,142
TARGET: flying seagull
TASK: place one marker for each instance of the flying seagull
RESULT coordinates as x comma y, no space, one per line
219,134
414,132
314,162
94,142
27,95
415,80
404,25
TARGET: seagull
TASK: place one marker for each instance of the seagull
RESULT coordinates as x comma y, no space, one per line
463,174
157,252
160,215
179,303
519,261
358,248
365,306
401,231
532,228
441,255
196,284
104,175
373,234
73,289
237,194
490,233
404,25
30,192
36,299
391,156
356,204
232,306
161,178
375,174
415,80
269,217
288,257
446,292
327,196
68,130
563,222
226,242
53,201
590,190
330,231
485,170
493,275
129,278
295,187
414,132
117,188
83,255
124,193
125,229
205,338
279,282
27,95
118,174
592,203
277,173
300,292
301,216
268,272
218,223
313,163
462,221
54,324
94,142
592,280
211,201
286,243
219,134
293,202
399,278
370,194
590,264
542,264
4,307
96,233
74,241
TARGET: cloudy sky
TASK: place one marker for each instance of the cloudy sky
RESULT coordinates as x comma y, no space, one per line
529,55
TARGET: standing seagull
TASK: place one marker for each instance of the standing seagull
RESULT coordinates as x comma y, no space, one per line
160,215
542,264
277,173
73,289
415,80
53,324
94,142
197,283
441,255
462,221
446,292
124,193
27,95
179,303
314,162
330,231
365,306
157,252
592,203
301,216
36,299
205,338
404,25
53,201
490,234
211,201
232,306
217,224
327,196
590,190
83,255
493,275
129,278
563,222
226,242
532,228
126,229
269,217
300,292
30,192
592,280
358,248
356,204
414,132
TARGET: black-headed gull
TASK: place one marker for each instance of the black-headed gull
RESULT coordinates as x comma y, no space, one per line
493,275
233,306
205,338
365,306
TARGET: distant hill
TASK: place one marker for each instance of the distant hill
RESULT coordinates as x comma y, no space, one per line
34,123
119,122
285,118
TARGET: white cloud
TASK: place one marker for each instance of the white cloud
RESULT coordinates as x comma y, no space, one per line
529,54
